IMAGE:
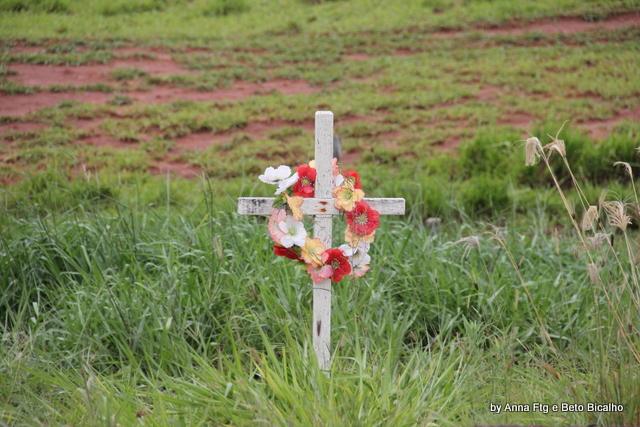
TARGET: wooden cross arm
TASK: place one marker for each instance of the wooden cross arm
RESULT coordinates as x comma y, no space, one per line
314,206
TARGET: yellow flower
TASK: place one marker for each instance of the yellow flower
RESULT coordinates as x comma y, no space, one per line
346,195
353,239
312,251
295,204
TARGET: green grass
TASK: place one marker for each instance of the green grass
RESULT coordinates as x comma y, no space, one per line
127,298
120,304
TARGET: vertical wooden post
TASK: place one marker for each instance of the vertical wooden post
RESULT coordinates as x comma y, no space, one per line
322,230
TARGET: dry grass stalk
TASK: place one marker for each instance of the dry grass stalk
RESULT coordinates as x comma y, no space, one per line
532,150
558,146
589,219
616,214
594,273
598,240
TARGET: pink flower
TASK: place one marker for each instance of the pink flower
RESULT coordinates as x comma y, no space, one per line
277,216
319,274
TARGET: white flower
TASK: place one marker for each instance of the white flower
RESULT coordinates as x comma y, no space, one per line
358,257
294,232
274,176
339,180
279,176
286,183
347,250
361,256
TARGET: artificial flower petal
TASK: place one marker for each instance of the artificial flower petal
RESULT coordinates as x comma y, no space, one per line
277,215
295,204
273,175
346,196
305,185
294,232
318,274
363,219
286,183
312,251
338,262
354,239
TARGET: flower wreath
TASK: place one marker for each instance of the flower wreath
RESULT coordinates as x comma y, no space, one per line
290,237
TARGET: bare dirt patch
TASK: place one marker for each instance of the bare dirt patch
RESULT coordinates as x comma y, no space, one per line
20,105
255,130
198,141
567,25
357,56
549,26
100,140
449,144
488,93
600,129
176,168
8,128
236,92
518,119
49,75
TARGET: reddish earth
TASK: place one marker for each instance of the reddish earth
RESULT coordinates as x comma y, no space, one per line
236,92
357,56
567,25
488,93
159,62
99,140
20,127
600,129
517,119
48,75
20,105
562,25
181,169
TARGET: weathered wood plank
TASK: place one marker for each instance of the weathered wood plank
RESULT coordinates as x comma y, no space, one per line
315,206
322,225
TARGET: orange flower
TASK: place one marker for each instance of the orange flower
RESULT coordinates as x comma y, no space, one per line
347,195
295,204
354,239
312,252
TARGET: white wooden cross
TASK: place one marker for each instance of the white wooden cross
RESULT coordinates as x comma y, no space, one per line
322,208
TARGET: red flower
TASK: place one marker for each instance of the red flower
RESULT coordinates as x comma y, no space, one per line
286,252
338,262
355,176
363,219
305,186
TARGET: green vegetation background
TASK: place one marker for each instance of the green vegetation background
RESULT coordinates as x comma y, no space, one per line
127,298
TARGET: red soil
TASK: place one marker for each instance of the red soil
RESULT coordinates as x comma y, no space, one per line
357,56
47,75
567,25
19,105
517,119
237,91
184,170
20,127
600,129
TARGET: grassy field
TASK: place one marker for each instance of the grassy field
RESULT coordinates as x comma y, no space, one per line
130,292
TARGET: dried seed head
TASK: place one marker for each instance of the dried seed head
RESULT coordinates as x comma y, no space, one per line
594,273
469,243
627,166
558,146
597,240
589,219
616,214
532,149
